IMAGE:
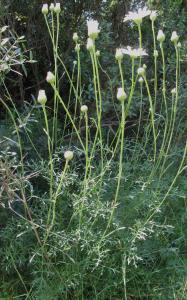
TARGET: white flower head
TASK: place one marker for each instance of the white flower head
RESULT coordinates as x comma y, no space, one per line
141,71
42,98
153,15
93,29
173,91
90,44
75,62
57,8
68,155
45,9
51,7
50,77
174,37
134,53
75,37
119,54
179,45
160,36
121,95
84,108
137,16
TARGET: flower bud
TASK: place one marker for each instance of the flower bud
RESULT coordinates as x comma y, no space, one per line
174,37
121,95
141,71
179,45
75,62
119,54
77,47
57,8
45,9
144,66
161,36
155,54
97,53
42,98
173,91
75,37
141,80
90,44
84,108
68,155
50,78
153,16
51,7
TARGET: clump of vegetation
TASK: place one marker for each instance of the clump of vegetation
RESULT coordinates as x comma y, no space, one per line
89,212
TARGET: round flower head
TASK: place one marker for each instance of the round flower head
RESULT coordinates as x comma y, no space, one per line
45,9
90,44
77,47
141,80
141,71
75,62
179,45
50,77
161,36
75,37
174,37
98,53
57,8
84,108
93,29
68,155
153,15
173,91
42,98
121,95
119,54
137,16
51,7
